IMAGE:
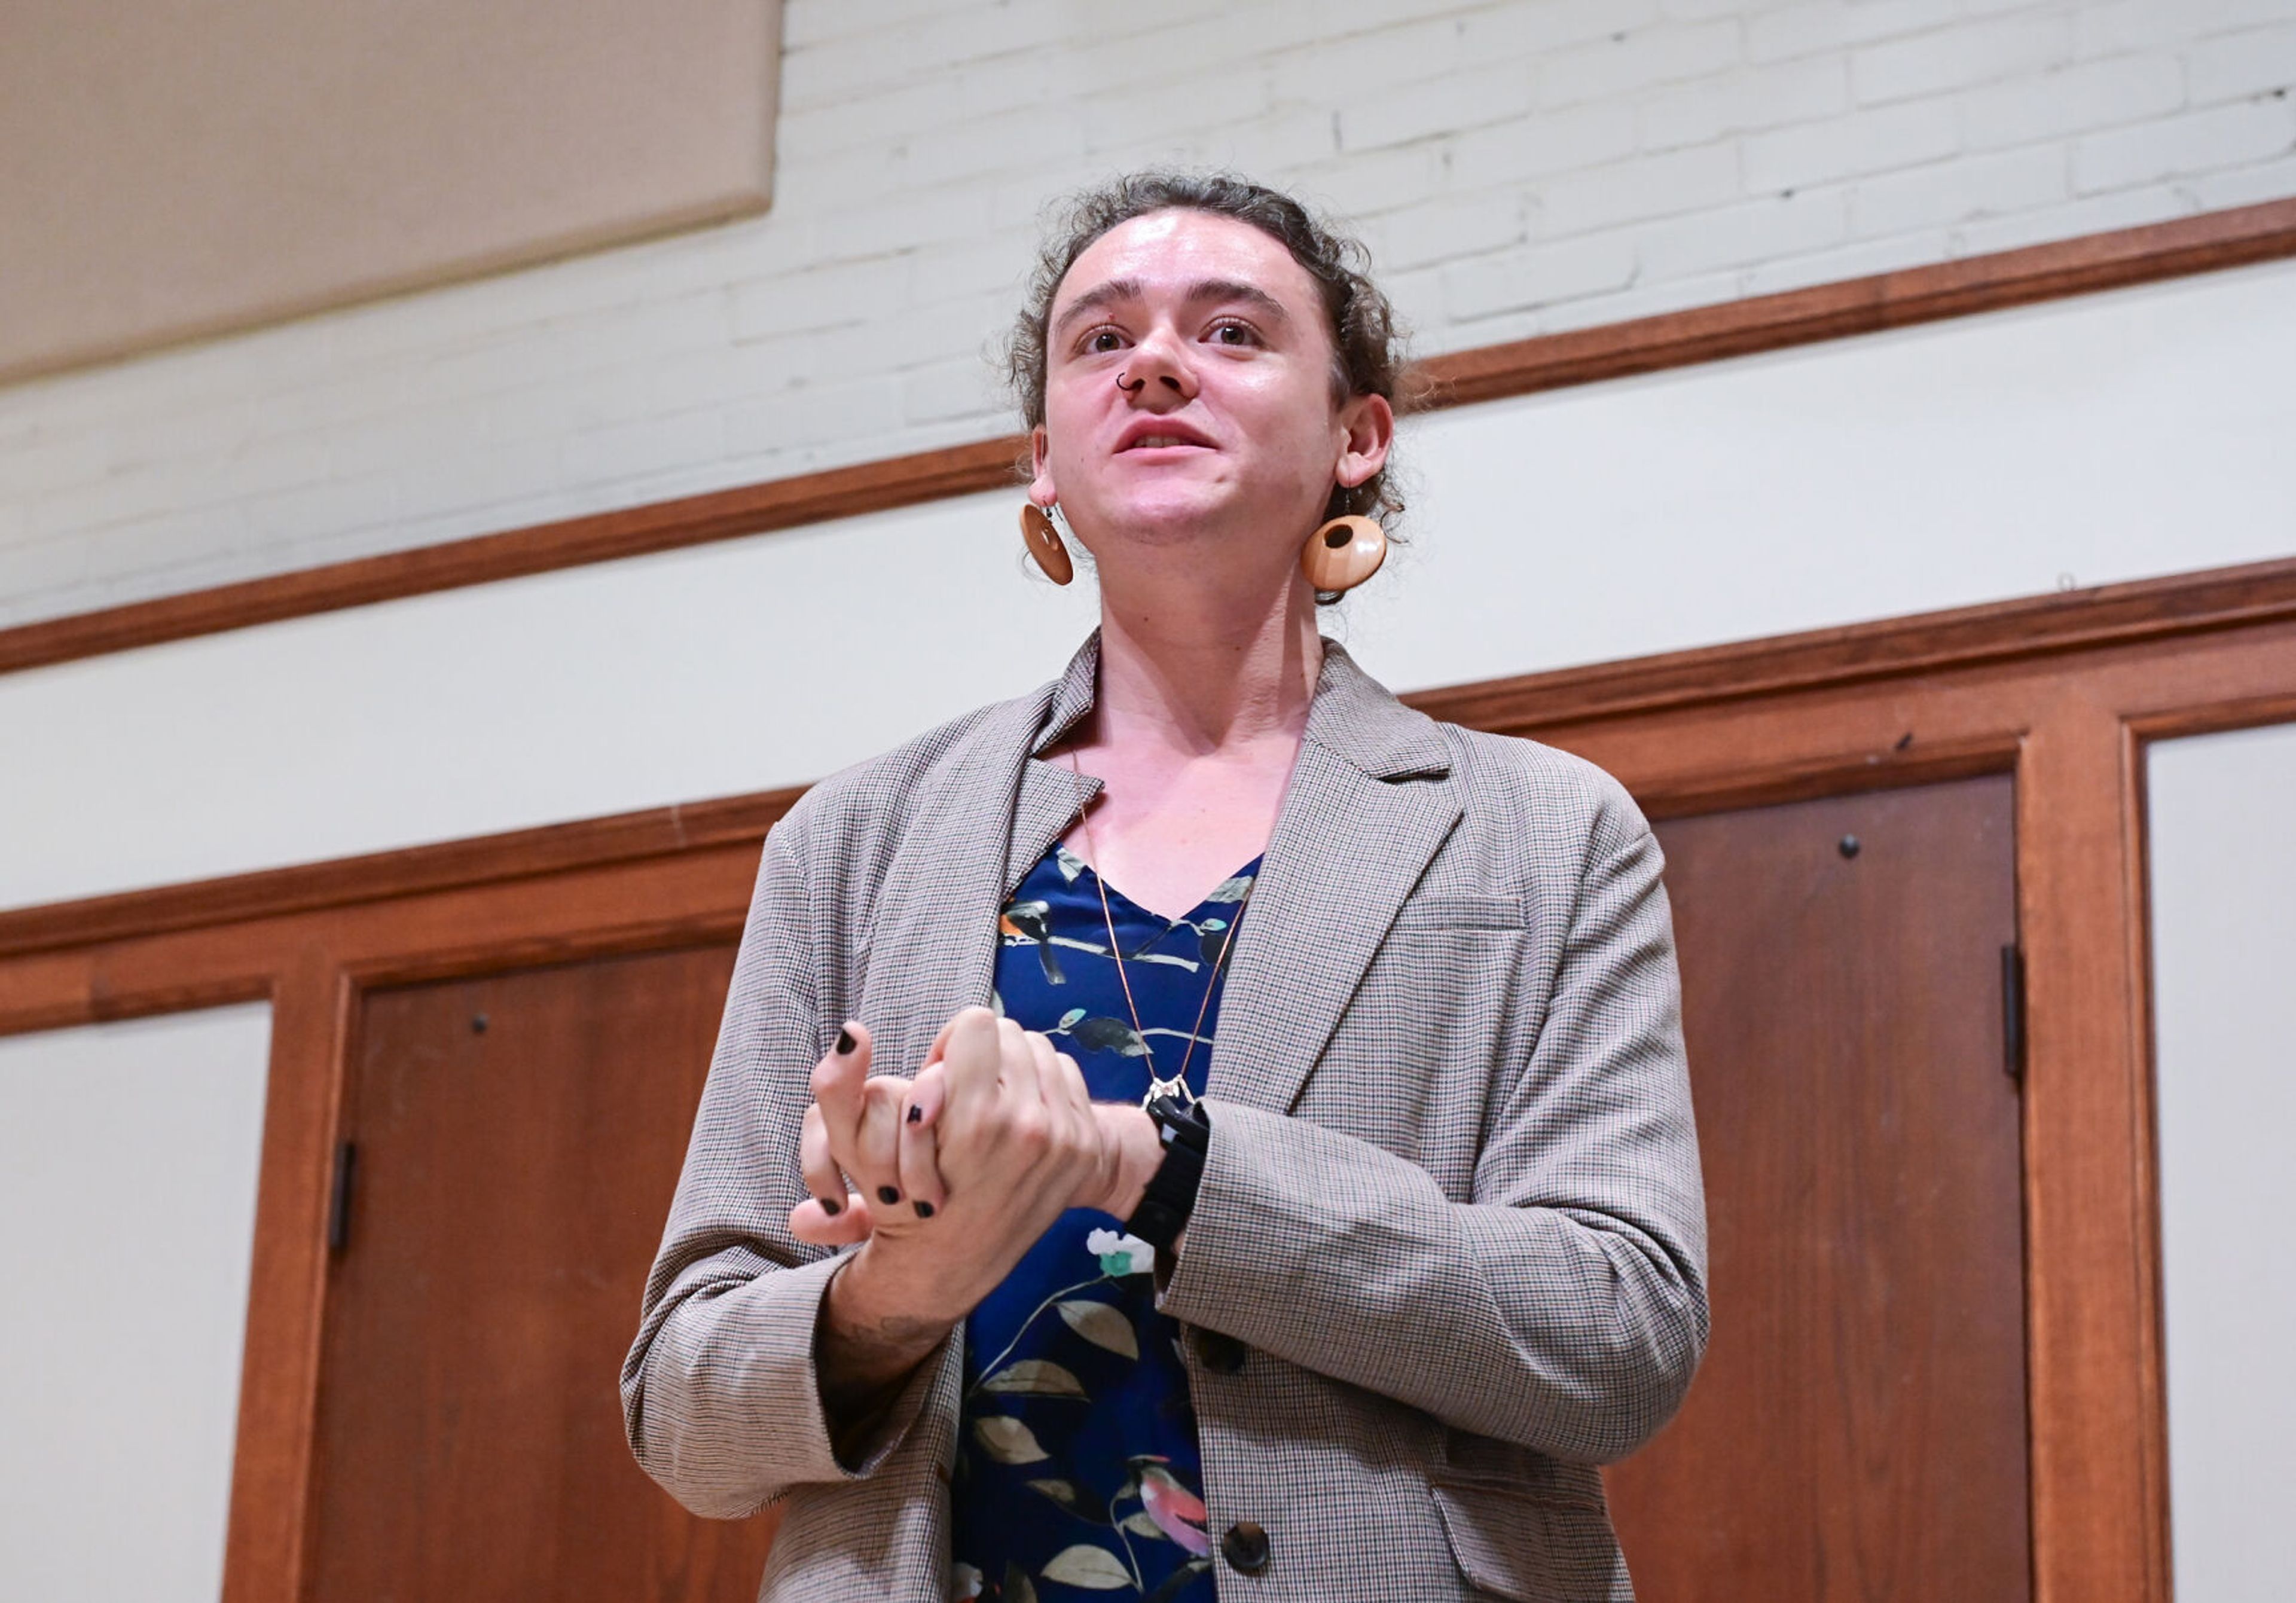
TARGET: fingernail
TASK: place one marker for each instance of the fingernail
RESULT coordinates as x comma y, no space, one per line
924,1208
829,1206
916,1113
888,1194
844,1040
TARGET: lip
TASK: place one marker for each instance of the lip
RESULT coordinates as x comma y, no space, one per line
1169,429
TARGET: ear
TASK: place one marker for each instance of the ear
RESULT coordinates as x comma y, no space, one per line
1367,435
1041,489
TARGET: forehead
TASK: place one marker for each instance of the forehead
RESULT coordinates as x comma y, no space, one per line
1168,251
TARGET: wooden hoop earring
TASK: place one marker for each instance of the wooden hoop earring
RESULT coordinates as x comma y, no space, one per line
1044,542
1343,553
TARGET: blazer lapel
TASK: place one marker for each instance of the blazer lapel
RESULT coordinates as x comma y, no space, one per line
969,839
1367,806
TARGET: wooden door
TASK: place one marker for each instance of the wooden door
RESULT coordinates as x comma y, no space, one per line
1858,1429
517,1140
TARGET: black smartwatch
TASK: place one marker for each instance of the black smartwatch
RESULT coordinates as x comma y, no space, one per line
1171,1194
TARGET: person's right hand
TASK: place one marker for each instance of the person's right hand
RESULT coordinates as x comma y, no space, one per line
1012,1141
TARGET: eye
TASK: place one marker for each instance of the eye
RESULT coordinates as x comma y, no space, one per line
1103,340
1234,334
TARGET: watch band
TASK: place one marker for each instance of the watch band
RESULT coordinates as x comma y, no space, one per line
1171,1192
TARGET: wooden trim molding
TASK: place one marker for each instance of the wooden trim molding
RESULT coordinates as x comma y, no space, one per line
2110,615
1864,305
1913,295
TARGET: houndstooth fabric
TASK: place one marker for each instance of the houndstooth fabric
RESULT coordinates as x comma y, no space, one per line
1451,1206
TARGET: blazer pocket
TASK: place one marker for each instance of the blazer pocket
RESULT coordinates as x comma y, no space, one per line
1529,1548
1457,910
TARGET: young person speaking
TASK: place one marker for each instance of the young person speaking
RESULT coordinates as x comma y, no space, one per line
1201,1128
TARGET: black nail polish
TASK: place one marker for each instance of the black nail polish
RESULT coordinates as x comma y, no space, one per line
844,1040
888,1194
924,1208
831,1206
916,1113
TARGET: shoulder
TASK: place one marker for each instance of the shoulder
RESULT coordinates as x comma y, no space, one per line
870,802
1542,795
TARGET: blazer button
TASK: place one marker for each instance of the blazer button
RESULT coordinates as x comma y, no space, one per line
1222,1353
1245,1545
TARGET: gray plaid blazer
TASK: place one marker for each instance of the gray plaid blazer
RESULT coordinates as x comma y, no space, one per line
1452,1207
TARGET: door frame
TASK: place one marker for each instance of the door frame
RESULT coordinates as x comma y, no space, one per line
2063,692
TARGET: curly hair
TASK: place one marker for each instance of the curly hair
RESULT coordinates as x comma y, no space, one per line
1368,341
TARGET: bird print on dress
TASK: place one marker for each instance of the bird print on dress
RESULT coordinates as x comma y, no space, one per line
1078,1473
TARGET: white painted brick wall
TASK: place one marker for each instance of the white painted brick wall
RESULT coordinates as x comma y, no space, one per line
1517,166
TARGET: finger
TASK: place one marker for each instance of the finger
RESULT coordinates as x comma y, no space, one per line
928,1096
819,1168
1069,1108
851,1223
970,1057
876,1162
837,1086
919,1158
1022,1078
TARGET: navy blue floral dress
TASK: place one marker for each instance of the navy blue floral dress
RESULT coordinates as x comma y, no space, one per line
1076,1468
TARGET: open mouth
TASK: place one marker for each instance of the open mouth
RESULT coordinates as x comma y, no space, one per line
1161,437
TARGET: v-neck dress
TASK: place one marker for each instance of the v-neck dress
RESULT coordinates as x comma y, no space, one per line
1078,1474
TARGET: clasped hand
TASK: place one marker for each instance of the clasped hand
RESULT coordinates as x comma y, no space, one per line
958,1171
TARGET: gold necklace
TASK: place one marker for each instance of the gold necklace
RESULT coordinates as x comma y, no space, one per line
1177,1087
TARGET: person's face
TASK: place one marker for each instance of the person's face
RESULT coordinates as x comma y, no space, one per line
1225,425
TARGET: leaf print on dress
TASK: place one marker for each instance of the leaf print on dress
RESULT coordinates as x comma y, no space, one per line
1007,1440
1106,1034
1100,1324
1094,1568
1037,1377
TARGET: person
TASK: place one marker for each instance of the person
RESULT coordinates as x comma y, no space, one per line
1202,1127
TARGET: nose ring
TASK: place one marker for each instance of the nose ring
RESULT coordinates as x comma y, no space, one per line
1131,388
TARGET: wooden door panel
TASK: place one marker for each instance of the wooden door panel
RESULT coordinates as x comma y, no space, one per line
1858,1429
518,1139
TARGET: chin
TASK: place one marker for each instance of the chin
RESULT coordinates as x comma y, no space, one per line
1170,511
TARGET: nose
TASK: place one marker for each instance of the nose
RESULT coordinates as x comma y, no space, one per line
1158,376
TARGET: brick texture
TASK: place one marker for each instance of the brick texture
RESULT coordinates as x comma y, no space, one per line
1517,167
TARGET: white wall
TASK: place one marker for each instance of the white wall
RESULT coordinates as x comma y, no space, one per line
2105,439
2223,966
129,1155
1517,166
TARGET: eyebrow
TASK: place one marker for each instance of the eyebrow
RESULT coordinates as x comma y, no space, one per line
1208,289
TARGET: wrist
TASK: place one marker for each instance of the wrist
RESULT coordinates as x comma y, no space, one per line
886,1288
1137,1148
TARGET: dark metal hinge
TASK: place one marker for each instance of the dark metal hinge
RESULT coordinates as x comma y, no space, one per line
339,1206
2012,1012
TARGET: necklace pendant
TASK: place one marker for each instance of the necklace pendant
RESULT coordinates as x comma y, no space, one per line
1176,1089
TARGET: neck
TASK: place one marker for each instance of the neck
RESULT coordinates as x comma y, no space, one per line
1221,668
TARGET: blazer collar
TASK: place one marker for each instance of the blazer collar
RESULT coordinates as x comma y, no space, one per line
1359,822
1351,714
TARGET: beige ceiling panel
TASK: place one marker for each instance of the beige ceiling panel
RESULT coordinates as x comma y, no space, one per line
177,167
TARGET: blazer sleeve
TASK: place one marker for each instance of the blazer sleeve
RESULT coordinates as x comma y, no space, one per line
721,1400
1564,1307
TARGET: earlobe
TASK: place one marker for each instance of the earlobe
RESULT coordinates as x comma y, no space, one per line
1041,488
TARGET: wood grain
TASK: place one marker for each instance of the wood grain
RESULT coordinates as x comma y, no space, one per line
1858,1429
519,1137
267,1538
375,877
1981,283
